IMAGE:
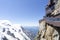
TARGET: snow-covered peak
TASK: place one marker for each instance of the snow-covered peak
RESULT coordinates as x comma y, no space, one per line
5,23
9,31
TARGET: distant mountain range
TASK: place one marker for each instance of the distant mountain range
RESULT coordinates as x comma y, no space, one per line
31,32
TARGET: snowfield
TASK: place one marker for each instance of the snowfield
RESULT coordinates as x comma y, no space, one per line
9,31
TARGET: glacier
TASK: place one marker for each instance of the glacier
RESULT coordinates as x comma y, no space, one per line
9,31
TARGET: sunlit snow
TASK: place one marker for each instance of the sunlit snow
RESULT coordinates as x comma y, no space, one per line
9,31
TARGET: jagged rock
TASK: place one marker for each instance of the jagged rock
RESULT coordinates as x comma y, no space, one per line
47,32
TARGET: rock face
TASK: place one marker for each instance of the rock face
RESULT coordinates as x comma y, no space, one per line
47,32
50,24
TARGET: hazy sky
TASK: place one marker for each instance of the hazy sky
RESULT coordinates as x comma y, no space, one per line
24,12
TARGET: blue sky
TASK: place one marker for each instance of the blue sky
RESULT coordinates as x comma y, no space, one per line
24,12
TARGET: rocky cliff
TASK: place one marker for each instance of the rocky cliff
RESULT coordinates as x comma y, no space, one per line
47,32
50,24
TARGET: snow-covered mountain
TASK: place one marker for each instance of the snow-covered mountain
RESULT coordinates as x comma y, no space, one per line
9,31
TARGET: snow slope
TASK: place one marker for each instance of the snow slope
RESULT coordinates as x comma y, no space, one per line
9,31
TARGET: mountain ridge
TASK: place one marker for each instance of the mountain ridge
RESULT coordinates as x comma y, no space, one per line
9,31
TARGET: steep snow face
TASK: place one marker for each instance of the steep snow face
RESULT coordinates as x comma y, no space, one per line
9,31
